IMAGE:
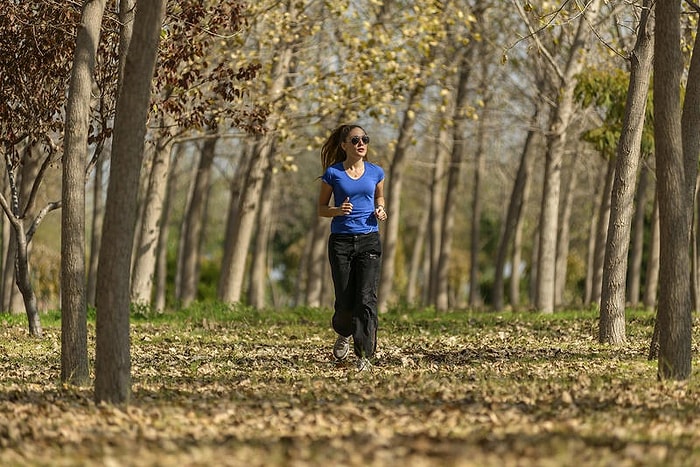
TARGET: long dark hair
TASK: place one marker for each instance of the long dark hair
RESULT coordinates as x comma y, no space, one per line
331,152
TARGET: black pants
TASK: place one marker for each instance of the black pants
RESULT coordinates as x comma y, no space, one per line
355,264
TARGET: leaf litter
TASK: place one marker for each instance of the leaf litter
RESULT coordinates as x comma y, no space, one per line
472,391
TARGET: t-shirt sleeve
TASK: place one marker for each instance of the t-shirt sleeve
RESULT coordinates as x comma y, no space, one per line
327,176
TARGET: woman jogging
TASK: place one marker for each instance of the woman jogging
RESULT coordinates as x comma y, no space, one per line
354,246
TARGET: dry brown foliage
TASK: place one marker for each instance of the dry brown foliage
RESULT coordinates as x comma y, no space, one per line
448,389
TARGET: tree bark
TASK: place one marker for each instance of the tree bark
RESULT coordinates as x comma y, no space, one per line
95,230
232,276
513,217
259,270
475,299
563,236
652,270
113,356
74,359
436,295
317,260
233,214
611,327
634,271
417,256
144,268
232,273
556,142
159,301
23,185
194,225
601,233
393,199
690,128
453,182
674,313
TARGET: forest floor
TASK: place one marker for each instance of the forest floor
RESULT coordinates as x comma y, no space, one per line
261,389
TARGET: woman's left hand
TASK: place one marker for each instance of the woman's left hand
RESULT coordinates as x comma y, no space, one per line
380,213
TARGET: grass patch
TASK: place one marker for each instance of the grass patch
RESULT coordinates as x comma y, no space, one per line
215,385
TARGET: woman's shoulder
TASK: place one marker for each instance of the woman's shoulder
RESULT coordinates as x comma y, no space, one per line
334,168
374,167
338,166
332,172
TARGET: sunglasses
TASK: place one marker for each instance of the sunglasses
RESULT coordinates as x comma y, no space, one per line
356,139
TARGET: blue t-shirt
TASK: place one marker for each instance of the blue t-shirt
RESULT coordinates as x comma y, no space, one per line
361,192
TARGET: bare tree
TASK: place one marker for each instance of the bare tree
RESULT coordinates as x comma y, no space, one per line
557,135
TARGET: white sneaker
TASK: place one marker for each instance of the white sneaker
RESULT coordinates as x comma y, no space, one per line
341,347
363,364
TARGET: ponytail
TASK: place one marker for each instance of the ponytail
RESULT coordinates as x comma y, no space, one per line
331,152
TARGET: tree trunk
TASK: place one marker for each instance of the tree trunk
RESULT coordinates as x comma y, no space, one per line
393,200
674,313
112,355
24,283
259,270
690,127
159,301
563,236
634,271
126,18
436,295
233,276
190,176
74,358
12,302
612,304
233,214
532,286
194,225
96,229
556,144
151,222
232,273
417,256
513,218
29,174
453,182
593,228
475,299
601,233
317,260
694,243
652,270
514,290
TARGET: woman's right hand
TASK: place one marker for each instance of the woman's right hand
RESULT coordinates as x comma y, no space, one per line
346,207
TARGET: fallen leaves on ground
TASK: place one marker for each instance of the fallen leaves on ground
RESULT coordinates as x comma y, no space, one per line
509,392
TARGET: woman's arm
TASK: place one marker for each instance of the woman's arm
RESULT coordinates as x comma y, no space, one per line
379,209
324,210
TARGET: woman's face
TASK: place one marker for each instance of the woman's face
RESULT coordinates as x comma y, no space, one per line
356,143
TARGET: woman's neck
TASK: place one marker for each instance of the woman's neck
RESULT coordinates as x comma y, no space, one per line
353,162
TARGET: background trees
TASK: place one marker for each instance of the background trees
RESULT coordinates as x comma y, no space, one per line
495,183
